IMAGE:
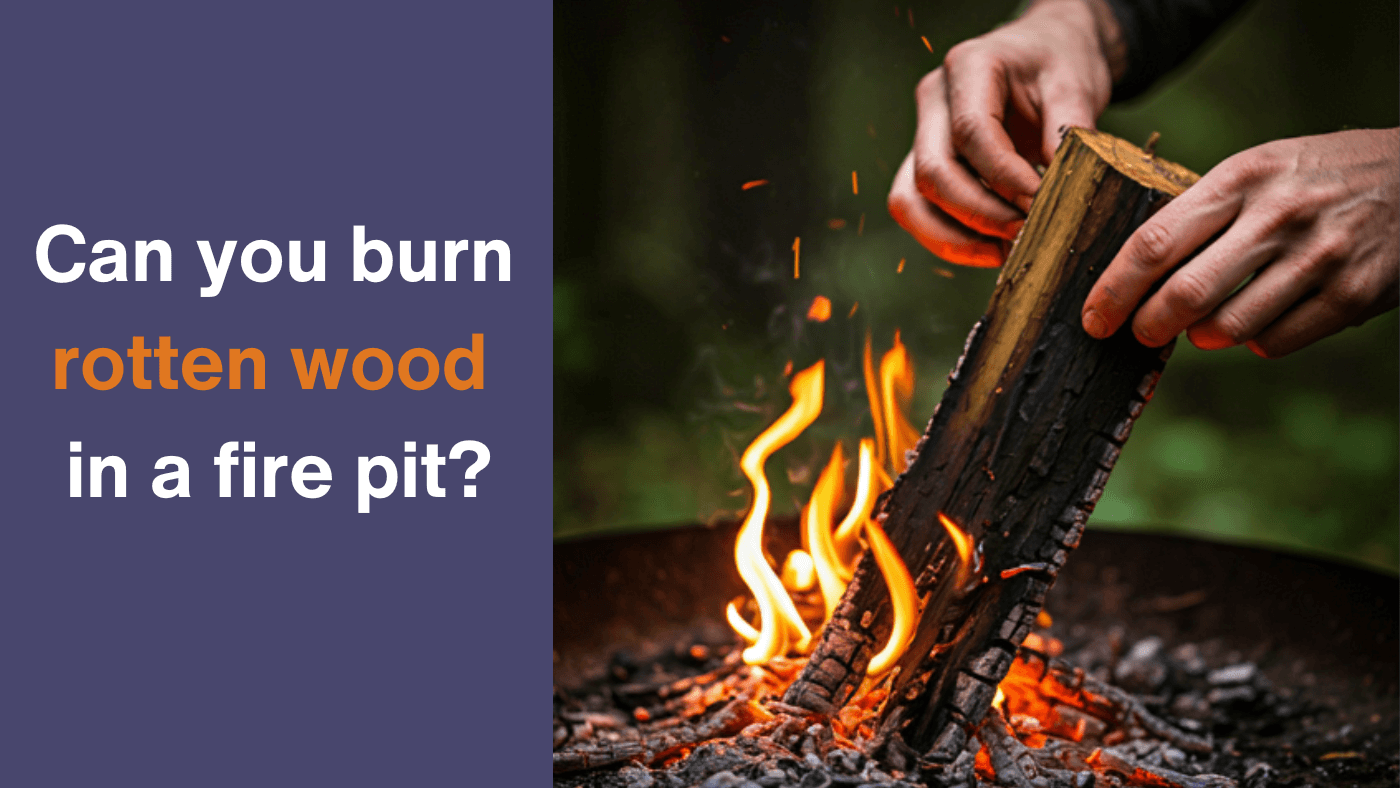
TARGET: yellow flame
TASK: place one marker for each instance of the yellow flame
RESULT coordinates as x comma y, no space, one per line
798,572
744,628
872,392
869,484
778,616
902,599
897,392
820,511
962,543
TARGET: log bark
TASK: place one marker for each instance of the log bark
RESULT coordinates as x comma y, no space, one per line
1017,453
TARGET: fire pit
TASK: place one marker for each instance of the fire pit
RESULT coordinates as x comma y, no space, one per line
1287,666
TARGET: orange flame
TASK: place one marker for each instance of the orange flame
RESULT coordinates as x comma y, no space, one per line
962,543
820,511
779,620
902,599
897,392
820,311
868,486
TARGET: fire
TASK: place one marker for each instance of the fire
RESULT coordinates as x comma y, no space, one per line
868,486
897,391
962,543
779,620
828,559
889,397
820,311
817,529
902,599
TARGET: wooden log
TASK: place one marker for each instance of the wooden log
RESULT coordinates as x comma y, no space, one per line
1017,453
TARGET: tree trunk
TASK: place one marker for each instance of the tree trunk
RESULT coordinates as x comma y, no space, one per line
1016,453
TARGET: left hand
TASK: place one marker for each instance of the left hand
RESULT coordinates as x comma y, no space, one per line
1311,227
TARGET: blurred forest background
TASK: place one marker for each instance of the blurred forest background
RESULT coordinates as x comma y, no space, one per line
675,307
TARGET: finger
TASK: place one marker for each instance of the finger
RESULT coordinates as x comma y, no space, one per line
1320,316
1153,249
938,232
1066,107
1273,291
947,182
977,93
1199,286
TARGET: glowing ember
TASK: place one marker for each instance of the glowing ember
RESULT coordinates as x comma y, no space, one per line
820,311
779,621
855,183
797,257
754,184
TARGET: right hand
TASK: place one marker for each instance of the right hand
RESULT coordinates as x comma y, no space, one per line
999,105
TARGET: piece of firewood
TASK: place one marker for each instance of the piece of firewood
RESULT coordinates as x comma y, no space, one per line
1016,453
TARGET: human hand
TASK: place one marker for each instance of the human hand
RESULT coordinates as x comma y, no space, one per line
1312,224
998,105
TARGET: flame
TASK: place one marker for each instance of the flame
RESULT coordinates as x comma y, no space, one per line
829,555
872,392
868,486
962,543
799,574
820,311
778,617
902,599
890,396
820,511
897,391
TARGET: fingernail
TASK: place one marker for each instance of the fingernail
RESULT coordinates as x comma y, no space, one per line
1094,324
1143,336
1254,347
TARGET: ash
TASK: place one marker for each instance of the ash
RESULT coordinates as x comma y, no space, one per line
1124,714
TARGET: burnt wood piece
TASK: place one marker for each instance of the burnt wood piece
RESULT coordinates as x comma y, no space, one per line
1017,453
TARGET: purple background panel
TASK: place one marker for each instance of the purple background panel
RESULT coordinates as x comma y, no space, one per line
216,641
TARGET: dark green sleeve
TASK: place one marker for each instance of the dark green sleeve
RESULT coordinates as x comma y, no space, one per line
1160,34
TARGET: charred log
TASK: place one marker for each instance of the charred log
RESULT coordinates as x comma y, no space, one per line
1017,454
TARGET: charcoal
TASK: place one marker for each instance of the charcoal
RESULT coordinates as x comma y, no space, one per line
1142,669
773,778
1242,673
815,779
1222,696
636,777
1259,775
1187,659
723,780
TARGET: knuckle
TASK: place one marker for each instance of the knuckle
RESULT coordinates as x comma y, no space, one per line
1346,296
960,54
1152,244
1232,327
1187,293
